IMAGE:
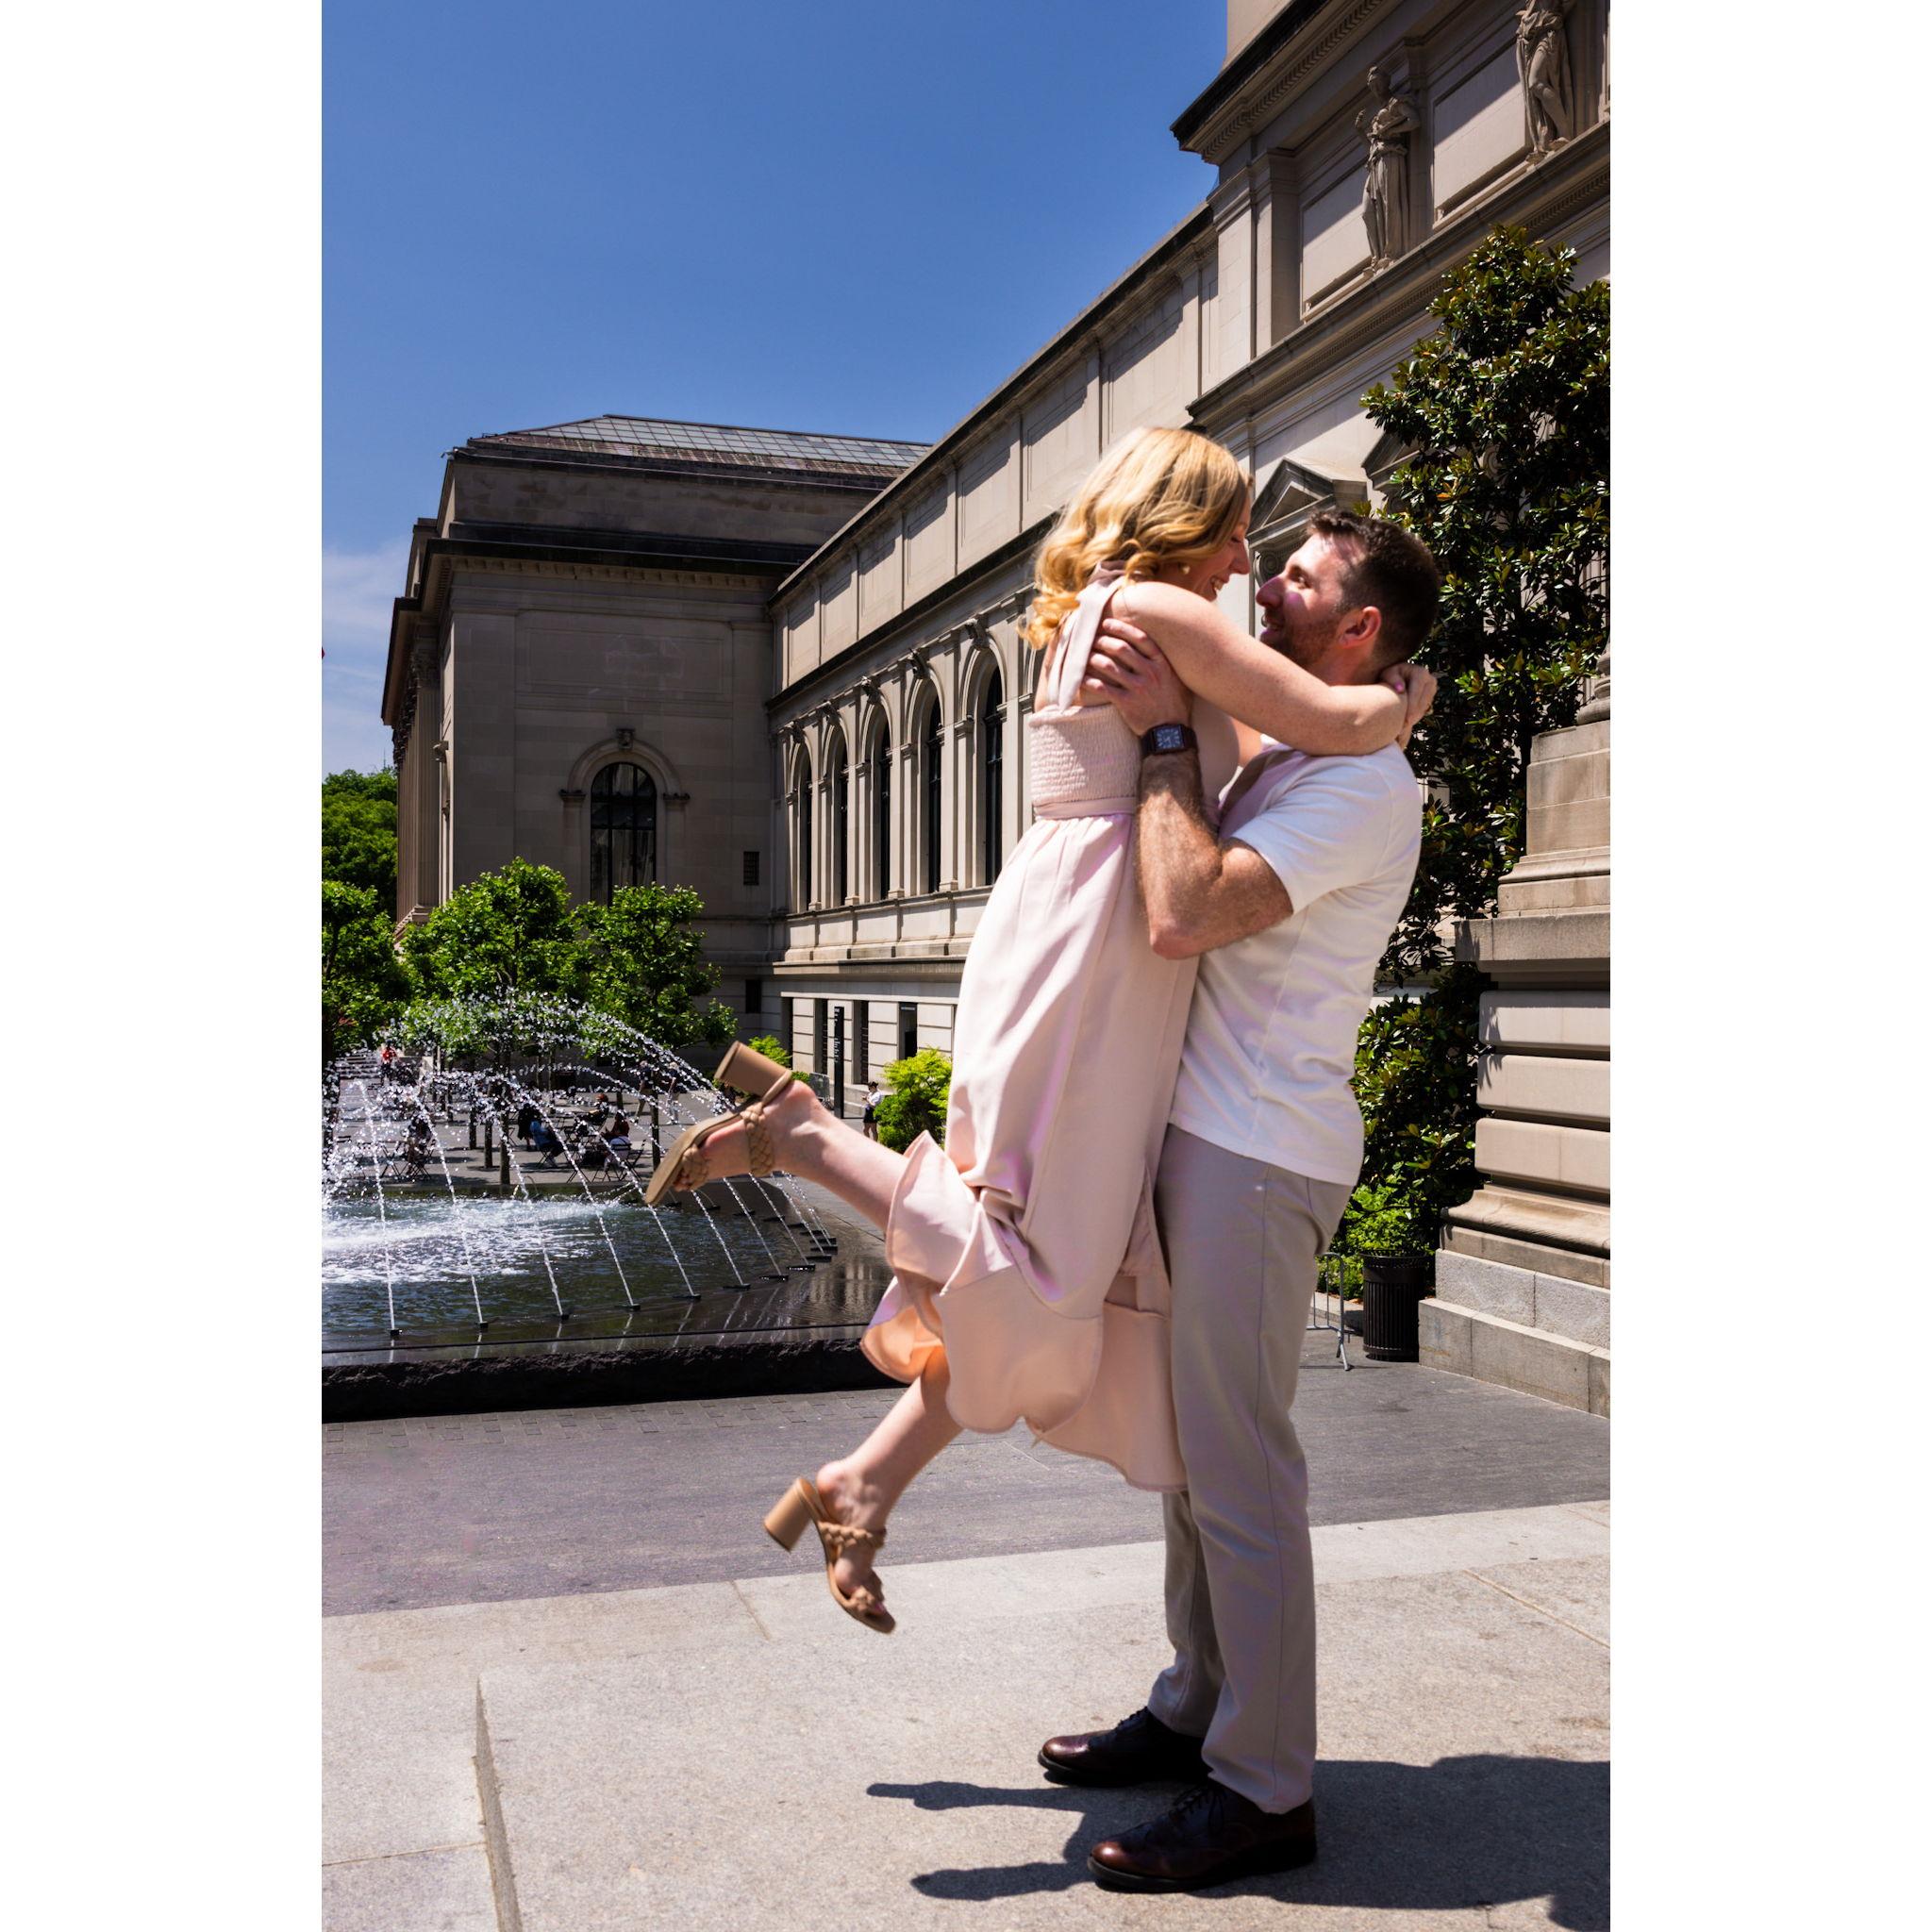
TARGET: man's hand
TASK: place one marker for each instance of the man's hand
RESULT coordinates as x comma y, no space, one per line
1416,683
1127,672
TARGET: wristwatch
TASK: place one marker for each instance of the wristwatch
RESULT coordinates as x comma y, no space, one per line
1168,738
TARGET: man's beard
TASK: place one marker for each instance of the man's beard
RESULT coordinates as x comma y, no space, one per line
1306,643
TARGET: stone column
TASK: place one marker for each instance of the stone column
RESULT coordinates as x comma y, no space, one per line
1278,247
426,789
851,720
1522,1278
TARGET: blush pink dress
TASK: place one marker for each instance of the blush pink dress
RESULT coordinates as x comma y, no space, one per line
1027,1242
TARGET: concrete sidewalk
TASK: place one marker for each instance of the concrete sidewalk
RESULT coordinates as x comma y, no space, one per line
737,1754
570,1685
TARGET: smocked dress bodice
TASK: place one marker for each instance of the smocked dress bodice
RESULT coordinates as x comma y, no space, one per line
1083,761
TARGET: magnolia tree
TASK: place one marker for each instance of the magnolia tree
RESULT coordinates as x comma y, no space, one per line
1507,409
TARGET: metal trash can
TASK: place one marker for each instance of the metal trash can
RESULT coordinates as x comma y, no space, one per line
1394,1290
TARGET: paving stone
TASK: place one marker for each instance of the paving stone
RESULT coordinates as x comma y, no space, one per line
445,1890
1463,1740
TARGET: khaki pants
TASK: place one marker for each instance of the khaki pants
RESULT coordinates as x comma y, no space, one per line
1242,1241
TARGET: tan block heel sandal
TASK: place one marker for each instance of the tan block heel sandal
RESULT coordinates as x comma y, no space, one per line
801,1504
684,1164
746,1072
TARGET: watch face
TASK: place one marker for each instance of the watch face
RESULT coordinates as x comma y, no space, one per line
1169,738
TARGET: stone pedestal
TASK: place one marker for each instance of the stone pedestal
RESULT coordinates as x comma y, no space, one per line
1523,1279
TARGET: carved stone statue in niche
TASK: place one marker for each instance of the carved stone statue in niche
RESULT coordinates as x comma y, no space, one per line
1543,62
1385,124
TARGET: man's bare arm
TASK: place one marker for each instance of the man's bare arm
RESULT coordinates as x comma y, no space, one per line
1200,892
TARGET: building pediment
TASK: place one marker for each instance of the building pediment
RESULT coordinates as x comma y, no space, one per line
1387,455
1287,489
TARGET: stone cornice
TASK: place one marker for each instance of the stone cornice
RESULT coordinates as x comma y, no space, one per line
1260,80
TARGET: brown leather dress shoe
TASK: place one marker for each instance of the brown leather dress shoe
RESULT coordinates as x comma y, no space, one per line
1212,1835
1137,1751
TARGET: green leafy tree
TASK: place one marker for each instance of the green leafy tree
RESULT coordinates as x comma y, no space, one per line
774,1049
506,932
1507,408
363,983
641,959
359,832
916,1103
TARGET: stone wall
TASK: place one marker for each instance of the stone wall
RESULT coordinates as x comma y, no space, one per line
1260,322
1522,1278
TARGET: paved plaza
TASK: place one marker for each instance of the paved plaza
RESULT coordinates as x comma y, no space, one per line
569,1684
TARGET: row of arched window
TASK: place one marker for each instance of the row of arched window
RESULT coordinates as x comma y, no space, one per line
827,878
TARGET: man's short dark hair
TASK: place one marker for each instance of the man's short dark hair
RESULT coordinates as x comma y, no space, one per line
1385,565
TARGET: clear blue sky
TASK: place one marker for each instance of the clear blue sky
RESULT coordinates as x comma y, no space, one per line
850,216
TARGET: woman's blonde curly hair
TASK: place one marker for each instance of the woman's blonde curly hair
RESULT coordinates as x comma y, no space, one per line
1159,496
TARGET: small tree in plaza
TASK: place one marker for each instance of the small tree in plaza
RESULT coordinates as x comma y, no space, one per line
916,1103
1508,410
363,983
505,932
643,961
511,943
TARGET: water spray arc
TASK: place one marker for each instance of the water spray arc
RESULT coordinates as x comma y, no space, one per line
470,1253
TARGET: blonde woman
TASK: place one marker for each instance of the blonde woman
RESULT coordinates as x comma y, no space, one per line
1028,1276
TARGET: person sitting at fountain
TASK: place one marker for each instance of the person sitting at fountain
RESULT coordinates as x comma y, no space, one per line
544,1139
417,1148
616,1131
527,1118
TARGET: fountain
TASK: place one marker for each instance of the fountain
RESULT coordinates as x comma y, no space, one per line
448,1230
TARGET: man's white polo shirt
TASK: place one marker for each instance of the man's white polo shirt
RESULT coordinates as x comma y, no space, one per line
1271,1035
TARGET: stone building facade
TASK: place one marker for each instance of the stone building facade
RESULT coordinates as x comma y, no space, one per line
859,712
579,665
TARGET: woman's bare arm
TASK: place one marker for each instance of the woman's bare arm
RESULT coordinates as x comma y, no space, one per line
1214,656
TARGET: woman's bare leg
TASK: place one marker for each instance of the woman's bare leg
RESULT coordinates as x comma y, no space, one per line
863,1488
811,1142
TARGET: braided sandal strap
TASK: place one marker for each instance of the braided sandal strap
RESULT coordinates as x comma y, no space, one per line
846,1537
759,1143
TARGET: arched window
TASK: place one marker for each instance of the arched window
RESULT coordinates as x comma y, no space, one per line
932,752
992,728
881,815
840,780
624,830
801,857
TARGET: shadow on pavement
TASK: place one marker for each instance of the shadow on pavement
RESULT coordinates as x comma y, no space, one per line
1463,1833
